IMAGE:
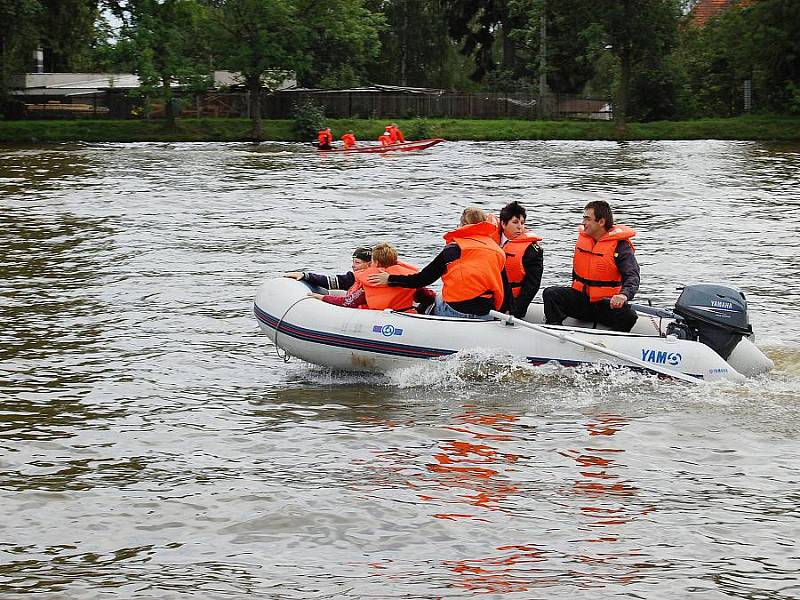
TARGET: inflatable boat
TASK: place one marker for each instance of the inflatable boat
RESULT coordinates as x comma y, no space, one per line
705,337
403,147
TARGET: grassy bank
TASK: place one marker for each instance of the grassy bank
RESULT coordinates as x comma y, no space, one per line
230,130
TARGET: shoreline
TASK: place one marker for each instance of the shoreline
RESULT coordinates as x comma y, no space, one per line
748,128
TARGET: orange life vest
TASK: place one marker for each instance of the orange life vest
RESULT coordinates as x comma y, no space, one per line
478,271
324,138
386,139
397,135
594,271
349,140
384,296
515,250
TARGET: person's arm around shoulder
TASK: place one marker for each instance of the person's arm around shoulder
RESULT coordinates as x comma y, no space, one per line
430,273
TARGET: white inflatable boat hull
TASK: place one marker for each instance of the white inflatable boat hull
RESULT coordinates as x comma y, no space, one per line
381,341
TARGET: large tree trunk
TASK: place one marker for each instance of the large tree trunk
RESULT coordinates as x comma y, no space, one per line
254,86
508,61
543,108
625,57
169,106
621,106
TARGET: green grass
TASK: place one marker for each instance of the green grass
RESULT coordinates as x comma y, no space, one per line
229,130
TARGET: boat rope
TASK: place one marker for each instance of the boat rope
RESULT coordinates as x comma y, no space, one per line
286,356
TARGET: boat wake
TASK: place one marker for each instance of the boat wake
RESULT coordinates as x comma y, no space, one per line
480,365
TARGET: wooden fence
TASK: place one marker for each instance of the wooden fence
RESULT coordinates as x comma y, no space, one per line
364,105
451,105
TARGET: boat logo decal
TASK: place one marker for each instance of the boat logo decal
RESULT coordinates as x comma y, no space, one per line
387,330
660,357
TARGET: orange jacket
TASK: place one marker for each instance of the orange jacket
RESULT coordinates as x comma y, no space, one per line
349,140
478,271
515,250
397,135
381,297
324,137
594,271
385,139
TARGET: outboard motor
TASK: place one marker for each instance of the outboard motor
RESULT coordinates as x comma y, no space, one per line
714,314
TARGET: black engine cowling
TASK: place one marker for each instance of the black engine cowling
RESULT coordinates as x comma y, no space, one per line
717,313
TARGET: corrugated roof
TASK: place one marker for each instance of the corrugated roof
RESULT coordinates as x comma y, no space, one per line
389,89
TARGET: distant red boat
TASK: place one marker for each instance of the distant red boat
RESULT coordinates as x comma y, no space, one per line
404,147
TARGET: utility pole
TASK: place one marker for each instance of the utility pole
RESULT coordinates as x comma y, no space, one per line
543,111
404,46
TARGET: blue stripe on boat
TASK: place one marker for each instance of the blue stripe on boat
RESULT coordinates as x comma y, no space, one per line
343,341
382,347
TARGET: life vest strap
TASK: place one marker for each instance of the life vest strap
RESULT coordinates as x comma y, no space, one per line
596,282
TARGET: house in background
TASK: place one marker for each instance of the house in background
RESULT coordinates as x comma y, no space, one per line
708,9
59,95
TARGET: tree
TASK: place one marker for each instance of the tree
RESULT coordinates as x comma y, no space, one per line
638,32
18,37
775,47
324,43
67,30
581,34
416,49
257,38
476,24
716,59
342,39
160,38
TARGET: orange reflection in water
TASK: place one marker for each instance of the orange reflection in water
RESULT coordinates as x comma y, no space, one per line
512,570
613,499
471,471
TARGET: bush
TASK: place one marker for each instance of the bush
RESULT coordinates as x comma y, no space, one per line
309,118
420,129
12,109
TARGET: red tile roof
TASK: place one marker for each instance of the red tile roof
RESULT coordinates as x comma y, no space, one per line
707,9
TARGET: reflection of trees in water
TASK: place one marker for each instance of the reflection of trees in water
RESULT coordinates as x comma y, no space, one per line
148,571
43,168
50,345
51,262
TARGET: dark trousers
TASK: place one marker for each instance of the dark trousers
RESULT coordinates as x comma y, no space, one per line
561,302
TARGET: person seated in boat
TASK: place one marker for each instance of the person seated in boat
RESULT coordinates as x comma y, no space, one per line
366,295
349,140
470,266
386,138
524,259
396,134
361,260
605,274
325,139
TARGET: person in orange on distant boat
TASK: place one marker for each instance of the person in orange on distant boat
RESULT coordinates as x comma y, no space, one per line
397,135
470,266
366,295
386,138
325,139
349,140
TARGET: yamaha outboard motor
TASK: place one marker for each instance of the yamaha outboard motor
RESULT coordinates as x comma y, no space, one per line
714,314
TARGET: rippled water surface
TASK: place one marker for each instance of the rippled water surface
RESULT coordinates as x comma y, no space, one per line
153,444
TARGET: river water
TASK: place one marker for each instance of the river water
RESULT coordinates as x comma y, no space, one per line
153,444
